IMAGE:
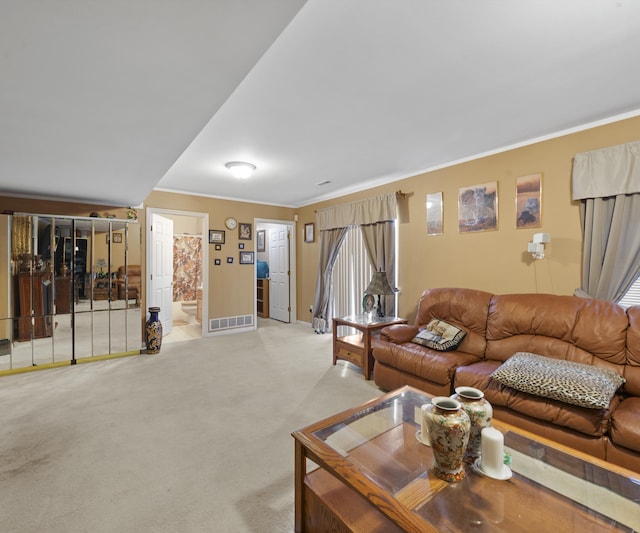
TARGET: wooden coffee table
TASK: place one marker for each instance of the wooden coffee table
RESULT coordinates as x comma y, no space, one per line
356,348
364,470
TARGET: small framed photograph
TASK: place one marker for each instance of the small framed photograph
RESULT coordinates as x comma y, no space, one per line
434,213
229,259
218,247
240,246
216,236
260,240
246,258
309,235
117,237
478,208
529,201
244,231
217,262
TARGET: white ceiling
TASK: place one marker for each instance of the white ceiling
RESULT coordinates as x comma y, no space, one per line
103,101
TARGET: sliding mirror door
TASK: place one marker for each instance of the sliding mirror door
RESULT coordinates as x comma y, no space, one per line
63,293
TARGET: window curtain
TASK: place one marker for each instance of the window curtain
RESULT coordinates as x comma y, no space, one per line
351,275
611,255
380,243
330,242
607,183
332,225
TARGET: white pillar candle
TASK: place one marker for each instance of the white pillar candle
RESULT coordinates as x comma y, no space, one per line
424,429
492,445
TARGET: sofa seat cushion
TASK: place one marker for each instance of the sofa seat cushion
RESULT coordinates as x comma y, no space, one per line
566,381
625,429
434,366
440,336
590,422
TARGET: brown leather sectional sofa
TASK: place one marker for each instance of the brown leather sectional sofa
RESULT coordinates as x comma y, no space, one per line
586,331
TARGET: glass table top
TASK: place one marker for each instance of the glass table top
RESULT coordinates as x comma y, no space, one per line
575,494
367,319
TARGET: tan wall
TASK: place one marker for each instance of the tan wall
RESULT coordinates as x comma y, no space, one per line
231,286
495,261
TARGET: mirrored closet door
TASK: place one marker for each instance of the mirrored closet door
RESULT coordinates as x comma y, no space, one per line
69,289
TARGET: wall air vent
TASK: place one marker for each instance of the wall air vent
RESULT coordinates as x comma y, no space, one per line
230,322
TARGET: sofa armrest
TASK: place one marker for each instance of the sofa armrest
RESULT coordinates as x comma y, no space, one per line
398,333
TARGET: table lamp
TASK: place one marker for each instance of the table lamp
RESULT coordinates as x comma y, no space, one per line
380,285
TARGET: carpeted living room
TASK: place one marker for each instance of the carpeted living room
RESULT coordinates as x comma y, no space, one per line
195,438
389,251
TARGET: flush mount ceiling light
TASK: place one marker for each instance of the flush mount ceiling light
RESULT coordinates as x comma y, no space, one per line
240,169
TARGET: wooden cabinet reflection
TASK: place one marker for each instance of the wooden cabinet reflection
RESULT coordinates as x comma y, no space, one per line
32,290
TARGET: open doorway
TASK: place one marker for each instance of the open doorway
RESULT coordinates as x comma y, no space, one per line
178,284
275,271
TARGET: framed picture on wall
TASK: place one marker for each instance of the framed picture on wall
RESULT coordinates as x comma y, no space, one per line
260,240
478,208
529,201
244,231
434,213
216,236
216,262
246,258
309,232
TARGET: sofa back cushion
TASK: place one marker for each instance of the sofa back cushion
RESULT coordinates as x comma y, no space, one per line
464,308
632,370
581,330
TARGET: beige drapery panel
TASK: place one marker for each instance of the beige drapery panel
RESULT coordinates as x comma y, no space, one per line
607,172
332,225
368,211
607,182
380,242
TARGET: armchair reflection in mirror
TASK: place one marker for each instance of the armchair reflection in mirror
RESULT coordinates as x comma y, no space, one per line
128,281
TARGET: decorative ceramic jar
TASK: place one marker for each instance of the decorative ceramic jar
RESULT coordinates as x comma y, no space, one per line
480,413
153,331
449,428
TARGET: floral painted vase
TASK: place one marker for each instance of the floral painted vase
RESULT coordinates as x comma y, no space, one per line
153,328
449,428
480,413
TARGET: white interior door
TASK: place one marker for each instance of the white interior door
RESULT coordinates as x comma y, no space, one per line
161,282
279,272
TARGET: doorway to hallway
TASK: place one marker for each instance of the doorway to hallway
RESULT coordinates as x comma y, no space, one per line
275,268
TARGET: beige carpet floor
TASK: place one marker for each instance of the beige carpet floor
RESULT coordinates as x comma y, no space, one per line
194,439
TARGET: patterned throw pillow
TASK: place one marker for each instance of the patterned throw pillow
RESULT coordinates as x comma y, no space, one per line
574,383
438,335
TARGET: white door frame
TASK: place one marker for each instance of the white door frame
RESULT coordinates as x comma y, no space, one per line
204,227
291,225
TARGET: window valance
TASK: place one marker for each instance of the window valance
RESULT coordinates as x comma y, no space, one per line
369,211
607,172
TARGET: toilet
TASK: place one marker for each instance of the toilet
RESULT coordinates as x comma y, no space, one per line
189,308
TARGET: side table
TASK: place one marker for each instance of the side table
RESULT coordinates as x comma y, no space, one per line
357,348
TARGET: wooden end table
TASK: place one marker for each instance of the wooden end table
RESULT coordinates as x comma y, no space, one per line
357,348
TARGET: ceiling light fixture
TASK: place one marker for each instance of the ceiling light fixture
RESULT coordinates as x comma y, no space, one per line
240,169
